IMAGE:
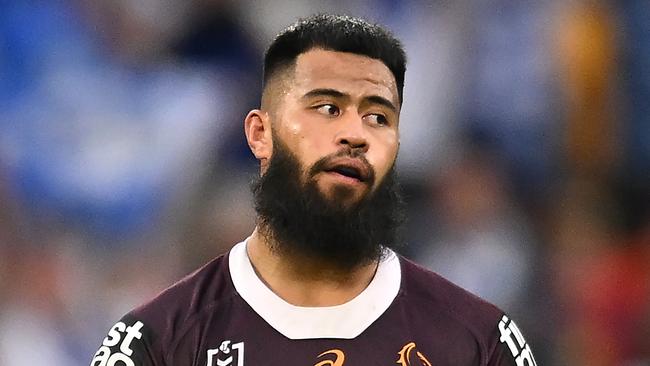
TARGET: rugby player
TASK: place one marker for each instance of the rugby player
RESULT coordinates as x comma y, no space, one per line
318,282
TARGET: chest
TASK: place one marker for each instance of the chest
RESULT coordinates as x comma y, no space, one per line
239,337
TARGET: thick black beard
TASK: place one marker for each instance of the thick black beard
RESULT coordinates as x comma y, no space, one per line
298,220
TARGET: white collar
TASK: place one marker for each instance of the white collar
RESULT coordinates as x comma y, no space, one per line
297,322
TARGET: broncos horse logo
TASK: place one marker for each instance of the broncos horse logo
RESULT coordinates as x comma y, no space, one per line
406,357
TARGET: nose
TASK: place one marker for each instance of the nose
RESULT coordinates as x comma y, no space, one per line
353,135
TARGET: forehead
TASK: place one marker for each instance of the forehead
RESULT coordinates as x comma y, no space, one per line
347,72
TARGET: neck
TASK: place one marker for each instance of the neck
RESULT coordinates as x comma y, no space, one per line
304,281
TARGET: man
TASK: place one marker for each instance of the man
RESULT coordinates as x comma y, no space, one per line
316,283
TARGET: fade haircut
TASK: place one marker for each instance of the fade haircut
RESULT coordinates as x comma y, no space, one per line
336,33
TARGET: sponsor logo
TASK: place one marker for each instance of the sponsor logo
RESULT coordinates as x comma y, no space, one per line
511,336
335,357
120,335
226,354
410,356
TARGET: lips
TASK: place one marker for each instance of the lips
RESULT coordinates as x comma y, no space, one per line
352,168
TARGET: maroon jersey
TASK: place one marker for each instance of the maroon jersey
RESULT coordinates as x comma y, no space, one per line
223,315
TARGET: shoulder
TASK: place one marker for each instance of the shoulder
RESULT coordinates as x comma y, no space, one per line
458,307
499,339
170,314
432,288
202,289
145,335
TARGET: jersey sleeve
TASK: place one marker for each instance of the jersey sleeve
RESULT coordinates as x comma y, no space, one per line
129,343
509,346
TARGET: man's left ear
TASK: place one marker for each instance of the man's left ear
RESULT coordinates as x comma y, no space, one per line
257,127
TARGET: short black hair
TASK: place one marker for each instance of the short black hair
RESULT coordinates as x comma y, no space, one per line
336,33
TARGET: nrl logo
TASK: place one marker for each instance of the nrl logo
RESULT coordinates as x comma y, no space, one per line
225,353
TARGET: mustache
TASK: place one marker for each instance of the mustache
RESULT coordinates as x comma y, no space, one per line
323,163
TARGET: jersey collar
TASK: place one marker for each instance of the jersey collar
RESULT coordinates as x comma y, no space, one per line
344,321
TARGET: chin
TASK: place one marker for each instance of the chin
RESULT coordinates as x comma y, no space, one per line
343,195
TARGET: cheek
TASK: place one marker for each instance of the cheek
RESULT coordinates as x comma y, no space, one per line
299,142
384,154
307,140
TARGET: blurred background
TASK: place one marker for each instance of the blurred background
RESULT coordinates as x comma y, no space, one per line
525,159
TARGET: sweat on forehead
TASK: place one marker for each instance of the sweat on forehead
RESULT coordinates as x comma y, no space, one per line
341,75
335,33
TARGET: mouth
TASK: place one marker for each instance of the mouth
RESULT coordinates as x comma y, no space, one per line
352,170
347,171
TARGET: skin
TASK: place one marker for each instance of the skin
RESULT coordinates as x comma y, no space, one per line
327,102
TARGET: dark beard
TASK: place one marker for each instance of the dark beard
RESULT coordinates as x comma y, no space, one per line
298,220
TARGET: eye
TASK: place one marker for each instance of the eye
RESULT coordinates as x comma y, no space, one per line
328,109
376,119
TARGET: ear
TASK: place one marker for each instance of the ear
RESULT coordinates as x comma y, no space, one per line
257,127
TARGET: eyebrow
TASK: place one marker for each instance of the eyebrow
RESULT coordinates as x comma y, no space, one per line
376,99
372,99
